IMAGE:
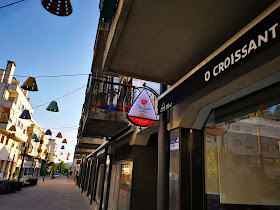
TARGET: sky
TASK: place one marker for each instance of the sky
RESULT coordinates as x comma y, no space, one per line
42,44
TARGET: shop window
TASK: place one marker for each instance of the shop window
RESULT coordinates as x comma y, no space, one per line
244,176
120,187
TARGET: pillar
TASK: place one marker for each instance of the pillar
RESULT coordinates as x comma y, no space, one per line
163,160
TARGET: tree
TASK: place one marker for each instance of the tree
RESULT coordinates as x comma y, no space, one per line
61,166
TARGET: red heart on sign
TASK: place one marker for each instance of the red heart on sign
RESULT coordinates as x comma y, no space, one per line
144,101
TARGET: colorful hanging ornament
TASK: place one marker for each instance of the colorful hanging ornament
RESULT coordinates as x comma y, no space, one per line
64,141
59,159
48,132
58,7
40,158
46,151
30,150
56,156
62,147
36,140
67,158
39,153
68,153
30,84
61,153
52,107
12,136
59,135
25,115
12,128
34,136
4,119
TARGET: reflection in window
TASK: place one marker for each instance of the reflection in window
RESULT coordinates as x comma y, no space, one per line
249,174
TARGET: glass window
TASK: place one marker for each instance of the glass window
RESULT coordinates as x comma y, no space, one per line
246,170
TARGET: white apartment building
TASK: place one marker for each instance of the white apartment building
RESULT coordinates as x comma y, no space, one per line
13,100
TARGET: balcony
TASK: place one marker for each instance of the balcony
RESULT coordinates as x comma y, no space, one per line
105,108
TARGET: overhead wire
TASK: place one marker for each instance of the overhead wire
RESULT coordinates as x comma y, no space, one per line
11,4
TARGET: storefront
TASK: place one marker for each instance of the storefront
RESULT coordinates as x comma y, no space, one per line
225,124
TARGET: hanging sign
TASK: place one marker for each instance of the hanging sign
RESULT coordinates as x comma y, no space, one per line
142,112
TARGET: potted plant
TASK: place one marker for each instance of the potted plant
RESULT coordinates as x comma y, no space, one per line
15,174
31,181
35,181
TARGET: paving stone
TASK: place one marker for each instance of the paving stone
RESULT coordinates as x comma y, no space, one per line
54,194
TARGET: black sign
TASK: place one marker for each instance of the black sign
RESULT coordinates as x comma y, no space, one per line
263,35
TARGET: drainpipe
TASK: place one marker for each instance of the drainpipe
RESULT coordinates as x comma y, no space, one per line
163,160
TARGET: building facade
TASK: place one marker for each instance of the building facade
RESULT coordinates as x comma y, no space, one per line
216,145
13,101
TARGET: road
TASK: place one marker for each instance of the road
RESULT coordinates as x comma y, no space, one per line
51,194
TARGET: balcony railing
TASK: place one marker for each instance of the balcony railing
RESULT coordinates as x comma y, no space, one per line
104,94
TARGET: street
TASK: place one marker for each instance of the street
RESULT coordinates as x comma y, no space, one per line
50,194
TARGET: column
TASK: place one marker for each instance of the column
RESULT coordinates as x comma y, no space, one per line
7,169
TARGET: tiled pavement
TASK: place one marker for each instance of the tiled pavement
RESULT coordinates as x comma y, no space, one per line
51,194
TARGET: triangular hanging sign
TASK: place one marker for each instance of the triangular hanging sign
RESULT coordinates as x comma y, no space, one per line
142,112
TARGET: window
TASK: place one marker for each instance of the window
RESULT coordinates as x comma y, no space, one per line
24,131
235,127
237,142
247,175
265,147
18,124
248,145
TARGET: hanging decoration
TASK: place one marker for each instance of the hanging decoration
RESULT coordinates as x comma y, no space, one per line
46,151
61,153
214,129
4,119
58,7
39,153
48,132
62,147
142,112
36,140
25,115
64,141
67,158
12,136
52,107
30,150
59,135
40,158
12,128
59,159
56,156
68,153
34,136
30,84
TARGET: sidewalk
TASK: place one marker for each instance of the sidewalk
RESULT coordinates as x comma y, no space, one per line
51,194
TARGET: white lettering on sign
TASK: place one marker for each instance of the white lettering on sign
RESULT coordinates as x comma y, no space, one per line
242,53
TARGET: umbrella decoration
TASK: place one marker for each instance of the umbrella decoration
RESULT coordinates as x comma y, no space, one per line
61,153
48,132
64,141
68,153
52,107
30,150
34,136
59,159
30,84
13,135
12,128
25,115
4,119
67,158
56,156
59,135
39,153
46,151
36,140
59,8
62,147
40,158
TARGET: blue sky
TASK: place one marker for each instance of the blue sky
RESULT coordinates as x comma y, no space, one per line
44,44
